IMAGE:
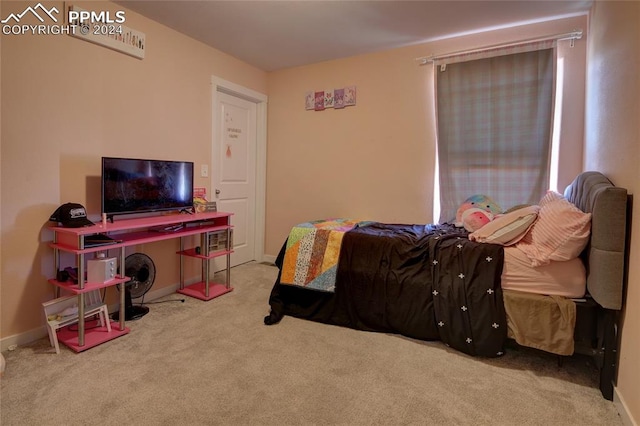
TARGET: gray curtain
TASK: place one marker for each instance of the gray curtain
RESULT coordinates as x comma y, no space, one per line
494,120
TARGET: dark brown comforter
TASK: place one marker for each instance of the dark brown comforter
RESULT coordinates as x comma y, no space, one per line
425,282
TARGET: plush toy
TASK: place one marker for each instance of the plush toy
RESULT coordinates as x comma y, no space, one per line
477,201
475,218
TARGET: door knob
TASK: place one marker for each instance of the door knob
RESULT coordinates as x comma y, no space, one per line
217,192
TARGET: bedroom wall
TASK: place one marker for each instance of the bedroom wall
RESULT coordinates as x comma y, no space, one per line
66,103
612,146
376,160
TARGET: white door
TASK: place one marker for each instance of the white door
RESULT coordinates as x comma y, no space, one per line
234,172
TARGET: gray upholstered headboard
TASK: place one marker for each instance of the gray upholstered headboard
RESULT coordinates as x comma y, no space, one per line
593,193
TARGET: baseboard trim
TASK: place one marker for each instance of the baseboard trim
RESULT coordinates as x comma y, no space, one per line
23,338
269,258
623,411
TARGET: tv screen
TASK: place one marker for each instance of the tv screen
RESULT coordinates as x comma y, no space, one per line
132,185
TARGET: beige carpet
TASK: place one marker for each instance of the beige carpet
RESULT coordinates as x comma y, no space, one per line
209,363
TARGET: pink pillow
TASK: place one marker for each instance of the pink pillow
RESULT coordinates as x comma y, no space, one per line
508,228
560,233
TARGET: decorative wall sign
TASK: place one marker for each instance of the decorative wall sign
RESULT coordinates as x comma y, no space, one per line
319,104
331,98
328,98
109,33
338,98
349,95
309,100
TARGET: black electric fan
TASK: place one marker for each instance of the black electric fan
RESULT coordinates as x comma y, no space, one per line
142,271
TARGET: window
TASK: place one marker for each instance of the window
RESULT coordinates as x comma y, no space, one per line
494,119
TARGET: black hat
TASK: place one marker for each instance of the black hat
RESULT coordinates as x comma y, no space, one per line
71,215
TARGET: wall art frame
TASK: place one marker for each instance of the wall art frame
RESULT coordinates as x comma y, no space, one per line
115,36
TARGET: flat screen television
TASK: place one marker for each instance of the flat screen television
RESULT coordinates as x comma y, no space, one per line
131,185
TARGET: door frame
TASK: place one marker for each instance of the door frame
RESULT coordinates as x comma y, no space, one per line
233,89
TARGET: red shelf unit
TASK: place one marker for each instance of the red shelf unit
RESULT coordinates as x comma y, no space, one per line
75,288
130,232
205,290
93,336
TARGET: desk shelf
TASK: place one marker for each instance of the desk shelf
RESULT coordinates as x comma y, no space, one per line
204,289
75,288
130,232
192,253
199,290
93,336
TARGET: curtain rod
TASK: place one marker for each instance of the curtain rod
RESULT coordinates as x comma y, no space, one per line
574,35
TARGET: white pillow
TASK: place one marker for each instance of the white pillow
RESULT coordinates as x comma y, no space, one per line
507,229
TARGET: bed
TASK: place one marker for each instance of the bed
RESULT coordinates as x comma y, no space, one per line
435,282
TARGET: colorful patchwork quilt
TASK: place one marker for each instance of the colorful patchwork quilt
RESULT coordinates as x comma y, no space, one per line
312,253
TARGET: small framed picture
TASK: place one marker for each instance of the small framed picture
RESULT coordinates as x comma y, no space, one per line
328,98
309,101
350,95
319,101
338,98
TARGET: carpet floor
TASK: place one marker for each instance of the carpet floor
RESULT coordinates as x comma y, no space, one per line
216,363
